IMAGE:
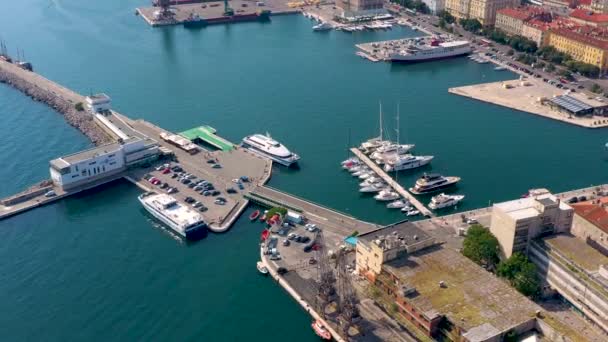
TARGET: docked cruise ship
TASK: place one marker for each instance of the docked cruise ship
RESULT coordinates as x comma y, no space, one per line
181,219
267,147
418,52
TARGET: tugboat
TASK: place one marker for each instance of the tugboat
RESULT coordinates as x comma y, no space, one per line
321,330
194,21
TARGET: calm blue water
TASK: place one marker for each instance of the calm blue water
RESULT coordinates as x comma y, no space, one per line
94,267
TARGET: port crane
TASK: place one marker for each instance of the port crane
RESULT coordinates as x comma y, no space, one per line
228,11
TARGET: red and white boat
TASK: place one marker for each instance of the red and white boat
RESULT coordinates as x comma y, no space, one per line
265,234
321,330
263,217
254,215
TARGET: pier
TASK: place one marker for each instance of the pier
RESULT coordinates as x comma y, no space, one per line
392,183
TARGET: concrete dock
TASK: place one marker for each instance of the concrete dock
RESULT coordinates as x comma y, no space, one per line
213,9
524,95
392,183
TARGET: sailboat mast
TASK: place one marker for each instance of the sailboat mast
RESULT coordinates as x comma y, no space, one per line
398,136
381,130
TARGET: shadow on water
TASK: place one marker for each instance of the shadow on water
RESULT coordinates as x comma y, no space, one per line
168,41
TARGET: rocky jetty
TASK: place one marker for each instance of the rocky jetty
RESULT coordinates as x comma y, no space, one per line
82,120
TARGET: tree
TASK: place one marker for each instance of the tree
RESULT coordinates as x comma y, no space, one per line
471,25
447,17
510,52
481,246
550,68
79,107
521,274
596,88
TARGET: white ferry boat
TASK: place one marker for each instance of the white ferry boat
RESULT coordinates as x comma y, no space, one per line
267,147
406,162
181,219
419,52
443,201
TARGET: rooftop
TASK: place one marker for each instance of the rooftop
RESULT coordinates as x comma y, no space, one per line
589,16
400,234
522,13
526,207
570,103
471,298
101,97
586,35
90,153
594,211
577,251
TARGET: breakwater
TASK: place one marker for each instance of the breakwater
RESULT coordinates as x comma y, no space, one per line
82,120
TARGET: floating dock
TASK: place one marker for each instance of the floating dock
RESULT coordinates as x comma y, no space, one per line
392,183
207,135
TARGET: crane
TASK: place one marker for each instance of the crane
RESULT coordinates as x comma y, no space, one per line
228,11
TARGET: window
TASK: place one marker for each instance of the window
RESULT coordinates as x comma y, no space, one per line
93,163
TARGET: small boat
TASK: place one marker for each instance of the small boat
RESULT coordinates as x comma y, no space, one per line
407,208
412,213
443,201
323,26
386,195
371,180
254,215
264,234
398,204
321,330
356,168
263,217
361,172
366,175
500,68
376,187
261,268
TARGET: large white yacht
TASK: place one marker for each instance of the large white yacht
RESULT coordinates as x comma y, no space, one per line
431,182
386,195
181,219
406,162
390,151
267,147
444,201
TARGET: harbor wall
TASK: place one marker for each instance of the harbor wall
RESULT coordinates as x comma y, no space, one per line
82,120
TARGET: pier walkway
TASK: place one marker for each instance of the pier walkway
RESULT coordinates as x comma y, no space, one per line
335,221
392,183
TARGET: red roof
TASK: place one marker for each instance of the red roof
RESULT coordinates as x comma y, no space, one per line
589,16
595,211
585,35
522,13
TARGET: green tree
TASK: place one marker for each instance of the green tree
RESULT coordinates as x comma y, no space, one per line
79,107
596,88
447,17
550,67
521,274
471,25
481,246
510,52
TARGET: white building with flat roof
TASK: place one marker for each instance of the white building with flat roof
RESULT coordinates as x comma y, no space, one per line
98,103
515,223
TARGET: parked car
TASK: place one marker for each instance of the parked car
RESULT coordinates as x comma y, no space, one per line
215,193
50,193
165,171
202,209
231,191
189,200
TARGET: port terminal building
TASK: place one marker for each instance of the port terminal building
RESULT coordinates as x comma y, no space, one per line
130,149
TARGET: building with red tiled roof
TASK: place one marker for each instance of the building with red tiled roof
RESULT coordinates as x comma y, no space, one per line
511,20
591,222
587,17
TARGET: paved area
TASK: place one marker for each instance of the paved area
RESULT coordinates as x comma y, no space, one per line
213,9
525,95
234,164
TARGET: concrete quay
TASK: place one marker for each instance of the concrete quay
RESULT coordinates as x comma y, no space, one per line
524,95
213,9
392,183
